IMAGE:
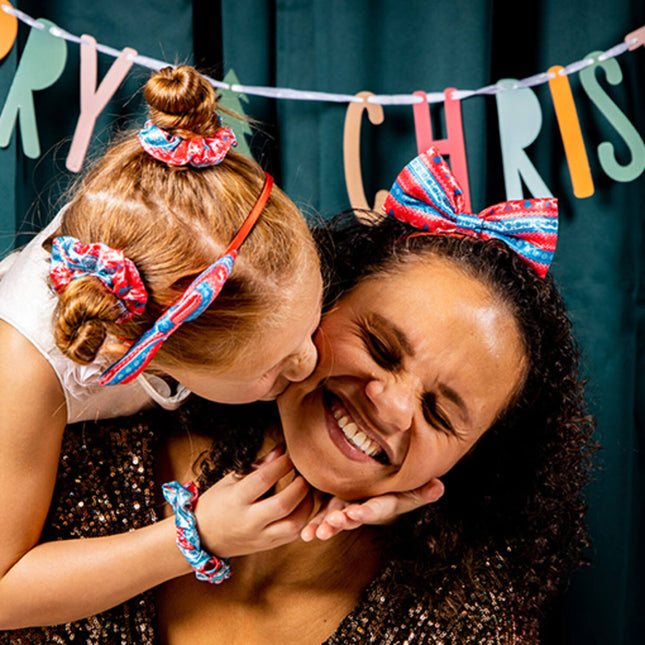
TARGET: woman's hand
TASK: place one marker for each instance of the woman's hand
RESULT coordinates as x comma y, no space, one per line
338,515
235,518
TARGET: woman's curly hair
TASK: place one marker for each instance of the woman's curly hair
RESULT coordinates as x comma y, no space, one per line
518,495
514,506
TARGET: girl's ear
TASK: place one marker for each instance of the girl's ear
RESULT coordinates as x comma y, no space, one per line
115,348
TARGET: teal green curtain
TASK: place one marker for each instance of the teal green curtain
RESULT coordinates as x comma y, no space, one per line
31,189
399,46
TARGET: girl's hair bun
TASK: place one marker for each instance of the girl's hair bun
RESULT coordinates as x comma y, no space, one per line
182,102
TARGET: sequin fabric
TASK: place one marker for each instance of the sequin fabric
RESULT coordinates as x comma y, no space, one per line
105,485
391,613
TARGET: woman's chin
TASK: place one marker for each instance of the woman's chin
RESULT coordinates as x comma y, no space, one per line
325,481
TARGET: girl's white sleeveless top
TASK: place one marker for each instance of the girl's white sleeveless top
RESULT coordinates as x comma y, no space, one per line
27,304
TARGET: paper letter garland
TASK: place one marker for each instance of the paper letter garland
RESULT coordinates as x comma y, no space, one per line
519,113
41,64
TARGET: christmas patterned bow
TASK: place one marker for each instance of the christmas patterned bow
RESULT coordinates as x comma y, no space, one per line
71,259
201,292
197,151
427,196
199,295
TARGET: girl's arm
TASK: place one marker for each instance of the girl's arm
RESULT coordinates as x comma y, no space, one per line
44,584
339,515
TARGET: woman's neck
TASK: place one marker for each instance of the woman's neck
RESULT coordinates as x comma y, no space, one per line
296,593
346,562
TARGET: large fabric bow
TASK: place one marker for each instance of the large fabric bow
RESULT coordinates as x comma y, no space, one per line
199,295
197,151
71,259
427,196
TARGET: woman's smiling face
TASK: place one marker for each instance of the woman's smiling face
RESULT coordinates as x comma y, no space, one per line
414,366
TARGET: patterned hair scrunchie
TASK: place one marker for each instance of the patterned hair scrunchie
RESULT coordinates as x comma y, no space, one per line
199,152
71,259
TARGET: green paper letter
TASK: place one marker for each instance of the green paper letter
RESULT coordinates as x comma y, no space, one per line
233,101
520,122
617,118
41,64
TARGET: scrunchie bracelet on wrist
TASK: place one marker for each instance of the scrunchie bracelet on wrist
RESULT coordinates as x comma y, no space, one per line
207,567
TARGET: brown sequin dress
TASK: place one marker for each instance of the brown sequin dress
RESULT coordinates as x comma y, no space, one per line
106,485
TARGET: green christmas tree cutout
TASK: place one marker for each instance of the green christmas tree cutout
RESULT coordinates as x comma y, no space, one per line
233,101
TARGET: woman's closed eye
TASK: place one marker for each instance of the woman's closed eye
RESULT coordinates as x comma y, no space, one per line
383,353
434,416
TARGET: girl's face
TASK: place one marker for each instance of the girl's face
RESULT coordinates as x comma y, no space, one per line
281,356
414,367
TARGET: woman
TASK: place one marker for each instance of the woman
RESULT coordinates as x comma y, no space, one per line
448,360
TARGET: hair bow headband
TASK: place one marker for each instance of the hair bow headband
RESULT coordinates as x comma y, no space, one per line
197,151
194,301
71,259
427,196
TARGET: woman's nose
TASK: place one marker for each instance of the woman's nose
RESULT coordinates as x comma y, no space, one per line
302,363
394,401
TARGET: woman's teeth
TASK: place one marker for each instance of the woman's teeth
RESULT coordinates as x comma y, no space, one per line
355,436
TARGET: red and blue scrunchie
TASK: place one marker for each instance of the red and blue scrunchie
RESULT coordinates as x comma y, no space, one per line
182,500
71,259
197,151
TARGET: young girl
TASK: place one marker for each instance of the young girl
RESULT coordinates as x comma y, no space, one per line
125,300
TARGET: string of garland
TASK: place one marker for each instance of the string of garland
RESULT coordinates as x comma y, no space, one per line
305,95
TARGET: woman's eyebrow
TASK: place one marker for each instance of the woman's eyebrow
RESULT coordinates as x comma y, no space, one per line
389,327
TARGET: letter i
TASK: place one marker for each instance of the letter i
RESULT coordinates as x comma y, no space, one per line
574,145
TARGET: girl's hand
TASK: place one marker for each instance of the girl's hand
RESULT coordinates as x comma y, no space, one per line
338,515
235,518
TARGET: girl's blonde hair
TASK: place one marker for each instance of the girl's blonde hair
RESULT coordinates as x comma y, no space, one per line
173,222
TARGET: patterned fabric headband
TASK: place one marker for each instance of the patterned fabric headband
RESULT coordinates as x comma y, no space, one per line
71,259
199,152
427,196
197,297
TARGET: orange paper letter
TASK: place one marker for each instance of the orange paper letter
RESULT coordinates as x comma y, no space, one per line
8,29
574,145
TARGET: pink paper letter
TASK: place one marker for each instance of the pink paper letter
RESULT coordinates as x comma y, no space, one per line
92,102
639,35
453,145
